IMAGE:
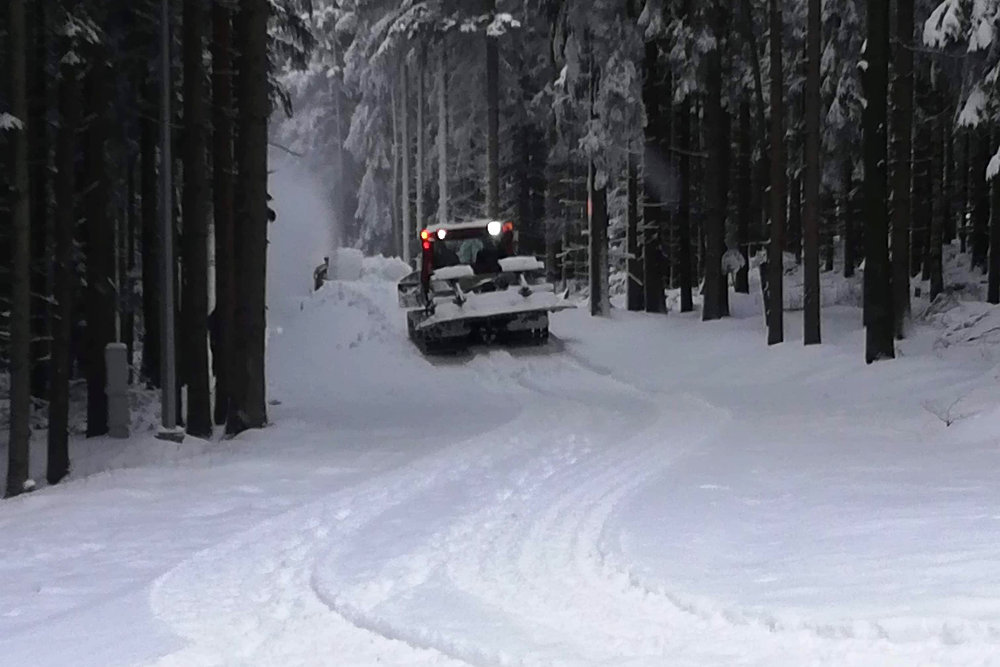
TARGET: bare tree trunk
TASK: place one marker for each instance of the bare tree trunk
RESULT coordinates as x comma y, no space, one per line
407,236
993,281
492,121
878,278
222,330
20,309
100,252
980,198
684,207
964,191
935,237
811,179
249,409
744,189
194,296
421,58
847,214
657,106
902,126
38,128
597,209
65,279
396,245
774,291
633,265
150,240
715,204
442,132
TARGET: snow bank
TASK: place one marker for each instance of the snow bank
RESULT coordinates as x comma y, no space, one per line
388,269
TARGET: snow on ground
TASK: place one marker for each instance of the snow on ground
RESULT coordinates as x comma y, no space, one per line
641,491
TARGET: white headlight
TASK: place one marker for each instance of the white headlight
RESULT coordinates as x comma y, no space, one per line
494,228
442,233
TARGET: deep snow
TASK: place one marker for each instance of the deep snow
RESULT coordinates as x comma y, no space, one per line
642,491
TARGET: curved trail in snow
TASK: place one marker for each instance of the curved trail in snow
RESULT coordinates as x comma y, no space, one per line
492,550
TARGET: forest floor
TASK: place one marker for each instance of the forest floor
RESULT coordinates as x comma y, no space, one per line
645,490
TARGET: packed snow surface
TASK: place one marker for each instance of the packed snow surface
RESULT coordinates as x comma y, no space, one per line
644,490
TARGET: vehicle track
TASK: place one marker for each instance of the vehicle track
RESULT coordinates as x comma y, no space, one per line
487,552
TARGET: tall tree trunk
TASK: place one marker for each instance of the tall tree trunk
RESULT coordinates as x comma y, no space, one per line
65,279
442,131
194,296
20,307
811,179
633,265
715,202
396,246
935,237
657,105
597,213
980,198
902,127
100,253
744,196
847,214
38,182
965,191
126,265
250,410
878,285
492,121
222,329
419,163
683,130
774,291
404,110
947,183
993,282
150,240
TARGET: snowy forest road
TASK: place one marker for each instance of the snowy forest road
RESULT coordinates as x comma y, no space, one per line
683,501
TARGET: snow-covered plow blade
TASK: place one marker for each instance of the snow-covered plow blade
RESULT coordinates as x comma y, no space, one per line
450,306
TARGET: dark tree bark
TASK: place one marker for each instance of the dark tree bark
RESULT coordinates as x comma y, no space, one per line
811,178
248,406
715,200
654,180
774,290
100,251
684,269
492,121
744,197
847,214
597,210
935,236
194,286
878,278
980,198
902,128
223,206
20,302
965,192
947,183
634,290
39,183
148,188
993,282
65,279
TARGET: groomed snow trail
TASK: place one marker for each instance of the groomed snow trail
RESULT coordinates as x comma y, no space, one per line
491,548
